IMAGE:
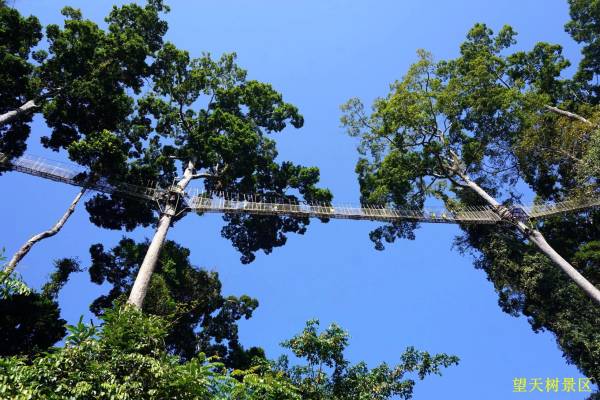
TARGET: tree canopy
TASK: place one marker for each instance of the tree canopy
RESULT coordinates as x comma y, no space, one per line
205,119
126,359
328,375
196,114
486,122
80,82
204,320
134,109
30,321
18,37
206,111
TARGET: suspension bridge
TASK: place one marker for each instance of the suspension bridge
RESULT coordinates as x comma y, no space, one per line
220,202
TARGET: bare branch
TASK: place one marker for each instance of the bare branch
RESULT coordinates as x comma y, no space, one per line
568,114
204,175
24,249
26,109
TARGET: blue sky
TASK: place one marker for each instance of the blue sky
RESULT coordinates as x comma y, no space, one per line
319,54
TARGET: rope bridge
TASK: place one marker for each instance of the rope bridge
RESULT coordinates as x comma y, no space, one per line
220,202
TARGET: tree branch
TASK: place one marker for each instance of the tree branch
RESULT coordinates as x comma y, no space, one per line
22,252
455,182
12,115
204,175
568,114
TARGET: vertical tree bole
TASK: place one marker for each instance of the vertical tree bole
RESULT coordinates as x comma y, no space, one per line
142,280
540,242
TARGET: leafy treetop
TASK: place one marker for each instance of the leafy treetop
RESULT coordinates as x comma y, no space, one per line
205,115
204,320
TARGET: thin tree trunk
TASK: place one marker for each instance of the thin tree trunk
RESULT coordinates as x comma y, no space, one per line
538,239
10,116
142,280
22,252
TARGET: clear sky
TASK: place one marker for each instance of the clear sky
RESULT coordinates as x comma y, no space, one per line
319,54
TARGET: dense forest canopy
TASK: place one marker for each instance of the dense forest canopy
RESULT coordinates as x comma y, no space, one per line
130,107
468,131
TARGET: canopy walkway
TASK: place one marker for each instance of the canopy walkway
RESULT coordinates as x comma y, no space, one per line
219,202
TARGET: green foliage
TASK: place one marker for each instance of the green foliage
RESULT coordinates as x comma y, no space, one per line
103,152
328,375
438,119
81,82
206,112
127,359
203,319
131,355
12,284
30,321
263,381
88,70
589,168
528,284
487,113
18,36
29,324
79,333
63,269
584,27
202,110
557,157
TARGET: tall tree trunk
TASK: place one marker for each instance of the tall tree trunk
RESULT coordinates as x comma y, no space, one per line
538,239
142,280
10,116
22,252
